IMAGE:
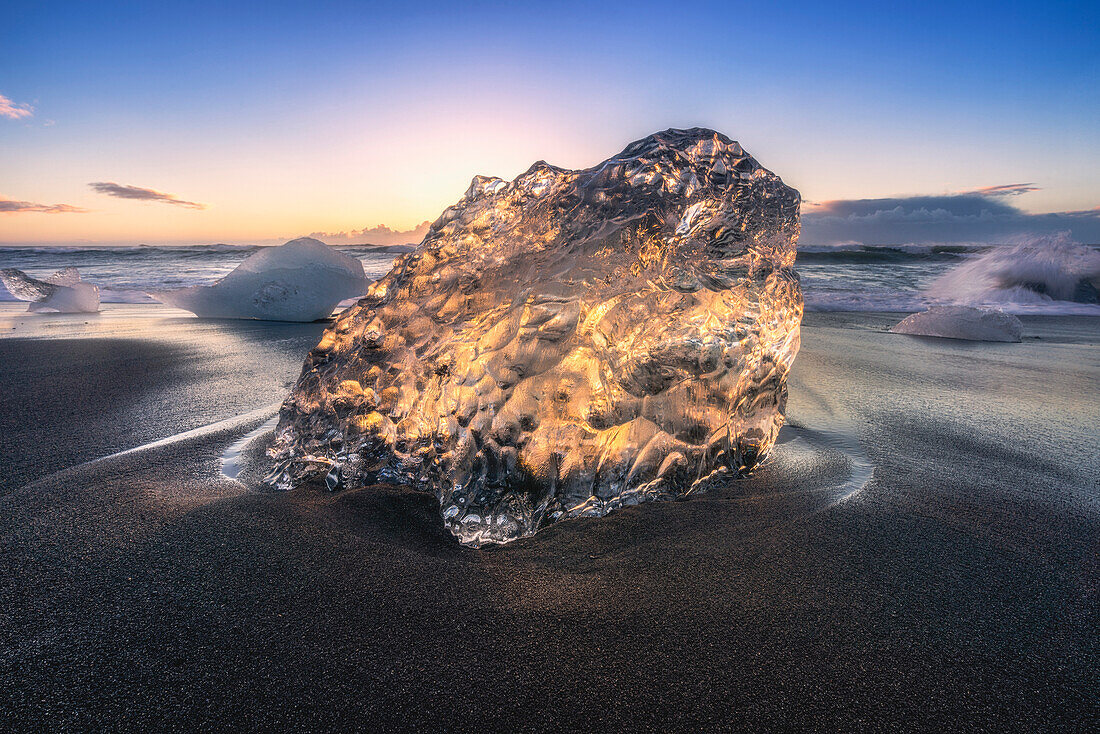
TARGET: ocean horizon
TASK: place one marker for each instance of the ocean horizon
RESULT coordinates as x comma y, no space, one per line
840,277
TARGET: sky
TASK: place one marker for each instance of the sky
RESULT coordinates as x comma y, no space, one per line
197,122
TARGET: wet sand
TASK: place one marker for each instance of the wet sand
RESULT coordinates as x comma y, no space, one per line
957,588
77,387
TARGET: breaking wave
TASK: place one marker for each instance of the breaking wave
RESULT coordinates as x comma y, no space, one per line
1035,275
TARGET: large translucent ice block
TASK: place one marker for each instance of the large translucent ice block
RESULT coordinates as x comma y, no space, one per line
565,343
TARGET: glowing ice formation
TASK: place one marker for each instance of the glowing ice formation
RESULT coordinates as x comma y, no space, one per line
302,280
963,322
62,292
566,343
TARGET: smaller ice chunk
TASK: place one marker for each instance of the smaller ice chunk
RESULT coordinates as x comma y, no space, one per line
62,292
963,322
302,280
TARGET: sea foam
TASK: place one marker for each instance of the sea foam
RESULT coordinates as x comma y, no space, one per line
1035,273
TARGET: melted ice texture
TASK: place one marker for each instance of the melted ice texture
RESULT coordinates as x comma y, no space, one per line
62,292
566,343
302,280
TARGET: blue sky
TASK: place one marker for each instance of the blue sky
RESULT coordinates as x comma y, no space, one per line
283,119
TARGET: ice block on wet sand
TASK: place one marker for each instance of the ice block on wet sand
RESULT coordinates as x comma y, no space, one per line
302,280
62,292
963,322
565,343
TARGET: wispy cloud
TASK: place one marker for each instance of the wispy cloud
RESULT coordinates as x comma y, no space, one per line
122,191
981,215
10,206
14,110
379,235
1004,190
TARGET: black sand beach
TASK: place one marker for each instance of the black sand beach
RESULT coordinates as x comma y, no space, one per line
956,589
78,387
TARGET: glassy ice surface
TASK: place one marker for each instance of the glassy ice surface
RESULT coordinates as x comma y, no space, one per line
302,280
963,322
565,343
62,292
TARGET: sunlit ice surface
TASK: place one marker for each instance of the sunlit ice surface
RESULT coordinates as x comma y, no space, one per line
565,344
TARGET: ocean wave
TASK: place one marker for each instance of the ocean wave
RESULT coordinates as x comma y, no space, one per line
1040,272
1041,275
855,252
90,257
1048,275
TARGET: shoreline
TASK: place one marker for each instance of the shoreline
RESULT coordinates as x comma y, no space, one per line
957,589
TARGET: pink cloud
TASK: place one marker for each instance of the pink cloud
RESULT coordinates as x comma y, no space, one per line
13,110
10,206
1004,190
379,235
123,191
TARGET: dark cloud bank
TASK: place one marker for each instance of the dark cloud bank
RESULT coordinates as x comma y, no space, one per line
983,215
